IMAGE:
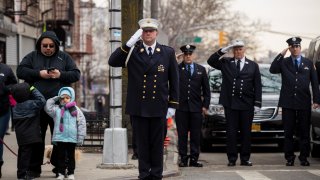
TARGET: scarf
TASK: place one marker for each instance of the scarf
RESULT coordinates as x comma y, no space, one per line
71,106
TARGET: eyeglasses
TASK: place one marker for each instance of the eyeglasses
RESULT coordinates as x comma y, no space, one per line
48,45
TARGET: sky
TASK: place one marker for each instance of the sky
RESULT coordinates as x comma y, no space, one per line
291,17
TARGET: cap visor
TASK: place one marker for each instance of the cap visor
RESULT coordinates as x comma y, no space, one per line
149,28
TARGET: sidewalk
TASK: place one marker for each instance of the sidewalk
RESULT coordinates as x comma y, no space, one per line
88,166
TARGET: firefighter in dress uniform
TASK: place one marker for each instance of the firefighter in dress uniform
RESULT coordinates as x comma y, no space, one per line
193,104
152,94
297,73
240,96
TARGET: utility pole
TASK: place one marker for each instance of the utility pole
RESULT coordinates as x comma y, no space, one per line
115,146
123,23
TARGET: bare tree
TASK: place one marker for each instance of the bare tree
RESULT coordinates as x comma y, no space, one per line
183,20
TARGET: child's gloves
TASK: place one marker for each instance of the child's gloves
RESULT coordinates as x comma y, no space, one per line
72,108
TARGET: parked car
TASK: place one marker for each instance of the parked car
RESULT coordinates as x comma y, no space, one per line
314,55
267,124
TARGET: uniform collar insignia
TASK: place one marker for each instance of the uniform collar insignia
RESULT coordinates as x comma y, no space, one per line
141,50
158,49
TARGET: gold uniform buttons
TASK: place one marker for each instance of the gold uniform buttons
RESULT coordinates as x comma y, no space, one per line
145,75
143,97
144,86
154,92
144,80
143,92
153,97
155,75
154,80
155,86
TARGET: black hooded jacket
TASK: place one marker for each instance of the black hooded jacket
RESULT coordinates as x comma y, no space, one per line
7,78
31,65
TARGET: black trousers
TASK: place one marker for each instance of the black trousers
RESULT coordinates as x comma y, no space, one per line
149,136
45,120
296,121
238,120
189,121
66,159
26,154
134,141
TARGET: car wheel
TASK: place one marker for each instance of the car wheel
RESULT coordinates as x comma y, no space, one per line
315,148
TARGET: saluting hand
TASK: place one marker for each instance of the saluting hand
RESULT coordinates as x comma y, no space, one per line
134,38
284,52
226,49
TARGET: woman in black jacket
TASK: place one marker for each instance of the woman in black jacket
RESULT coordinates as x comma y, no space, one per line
7,78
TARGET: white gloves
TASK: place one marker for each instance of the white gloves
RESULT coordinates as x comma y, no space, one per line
226,49
134,38
256,109
171,112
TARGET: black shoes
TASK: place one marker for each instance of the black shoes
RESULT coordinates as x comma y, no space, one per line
192,163
290,163
195,164
246,163
231,163
183,164
183,161
304,163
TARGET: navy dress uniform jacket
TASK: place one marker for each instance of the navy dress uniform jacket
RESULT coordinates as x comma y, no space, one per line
238,91
148,93
295,92
193,88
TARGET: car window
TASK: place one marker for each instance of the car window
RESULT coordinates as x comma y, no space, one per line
271,83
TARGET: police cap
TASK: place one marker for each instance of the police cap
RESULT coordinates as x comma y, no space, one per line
149,24
294,41
186,49
237,43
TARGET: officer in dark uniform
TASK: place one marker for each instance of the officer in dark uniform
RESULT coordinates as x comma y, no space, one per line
297,74
153,93
193,103
240,96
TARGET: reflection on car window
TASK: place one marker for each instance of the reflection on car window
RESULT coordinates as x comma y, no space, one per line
271,83
215,80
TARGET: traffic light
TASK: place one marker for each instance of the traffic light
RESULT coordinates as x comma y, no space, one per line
222,39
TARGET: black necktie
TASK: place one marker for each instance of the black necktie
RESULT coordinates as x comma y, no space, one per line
296,64
189,70
238,66
150,51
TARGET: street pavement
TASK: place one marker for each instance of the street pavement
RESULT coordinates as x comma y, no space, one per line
89,167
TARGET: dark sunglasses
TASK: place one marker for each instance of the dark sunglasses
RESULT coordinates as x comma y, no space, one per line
48,45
